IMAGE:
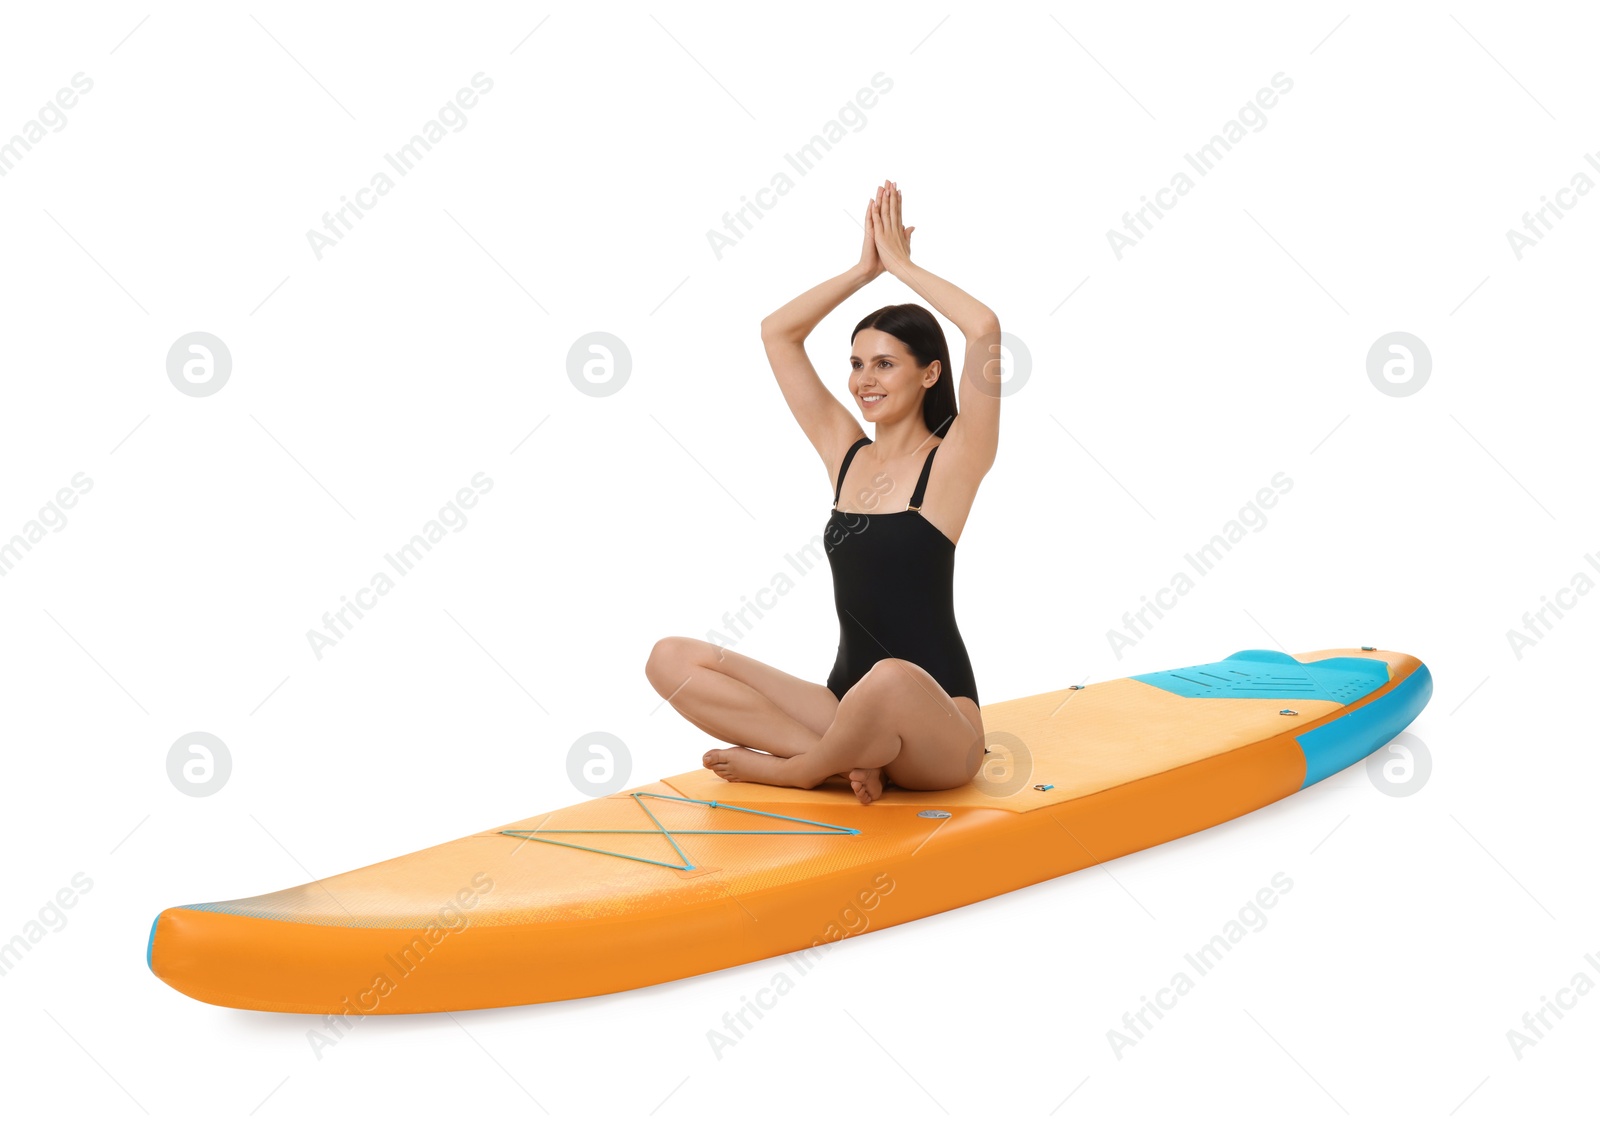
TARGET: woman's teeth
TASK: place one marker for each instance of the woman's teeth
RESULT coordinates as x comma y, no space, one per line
872,399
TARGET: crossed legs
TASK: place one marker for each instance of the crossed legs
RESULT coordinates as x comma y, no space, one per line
896,723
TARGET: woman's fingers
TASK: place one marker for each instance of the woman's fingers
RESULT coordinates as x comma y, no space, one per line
871,258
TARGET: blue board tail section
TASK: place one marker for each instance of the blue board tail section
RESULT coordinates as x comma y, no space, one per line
1274,674
1344,741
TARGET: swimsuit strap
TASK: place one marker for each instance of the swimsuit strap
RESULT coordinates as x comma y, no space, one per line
922,482
845,466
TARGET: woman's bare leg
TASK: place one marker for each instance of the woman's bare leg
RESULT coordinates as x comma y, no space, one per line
897,719
738,699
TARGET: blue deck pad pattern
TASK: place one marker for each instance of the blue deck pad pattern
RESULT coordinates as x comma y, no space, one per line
1274,674
1344,741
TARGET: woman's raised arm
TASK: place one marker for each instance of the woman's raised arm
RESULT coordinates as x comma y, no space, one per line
828,424
975,432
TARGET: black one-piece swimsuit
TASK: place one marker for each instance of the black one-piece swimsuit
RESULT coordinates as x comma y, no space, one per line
893,577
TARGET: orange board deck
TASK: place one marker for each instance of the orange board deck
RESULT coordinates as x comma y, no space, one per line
692,873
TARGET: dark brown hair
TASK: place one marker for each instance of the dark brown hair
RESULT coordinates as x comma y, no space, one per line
919,331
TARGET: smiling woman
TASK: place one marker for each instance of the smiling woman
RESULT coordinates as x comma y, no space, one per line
900,705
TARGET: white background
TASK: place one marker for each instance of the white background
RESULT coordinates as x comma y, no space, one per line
368,386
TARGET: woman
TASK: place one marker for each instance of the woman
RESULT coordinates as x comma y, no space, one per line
901,704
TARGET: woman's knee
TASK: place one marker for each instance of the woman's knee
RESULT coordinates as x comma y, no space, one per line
891,676
883,682
667,658
672,660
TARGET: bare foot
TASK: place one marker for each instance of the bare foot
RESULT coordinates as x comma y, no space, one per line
720,761
867,783
741,763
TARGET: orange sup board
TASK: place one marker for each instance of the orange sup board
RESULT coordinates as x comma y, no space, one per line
692,873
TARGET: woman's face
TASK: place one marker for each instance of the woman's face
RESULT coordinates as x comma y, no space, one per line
885,379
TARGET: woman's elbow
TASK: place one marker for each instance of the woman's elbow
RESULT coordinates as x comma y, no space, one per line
987,325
